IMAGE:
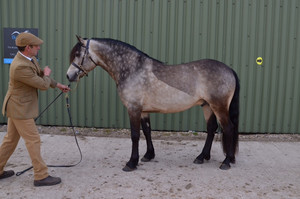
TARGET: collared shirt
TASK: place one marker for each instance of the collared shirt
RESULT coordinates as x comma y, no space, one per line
25,56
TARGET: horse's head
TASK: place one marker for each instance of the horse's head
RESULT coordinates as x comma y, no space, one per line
82,60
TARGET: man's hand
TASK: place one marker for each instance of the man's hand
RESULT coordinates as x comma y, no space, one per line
47,71
63,88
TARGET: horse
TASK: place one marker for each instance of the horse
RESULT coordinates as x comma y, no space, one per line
146,85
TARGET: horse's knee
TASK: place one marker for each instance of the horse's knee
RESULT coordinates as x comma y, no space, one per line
135,137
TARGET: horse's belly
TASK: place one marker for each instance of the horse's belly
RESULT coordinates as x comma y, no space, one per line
163,98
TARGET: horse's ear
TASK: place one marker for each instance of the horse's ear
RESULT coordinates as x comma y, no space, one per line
79,39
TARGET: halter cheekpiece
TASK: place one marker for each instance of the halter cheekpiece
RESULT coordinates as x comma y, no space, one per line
86,53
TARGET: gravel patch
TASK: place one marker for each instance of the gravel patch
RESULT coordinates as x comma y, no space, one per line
161,135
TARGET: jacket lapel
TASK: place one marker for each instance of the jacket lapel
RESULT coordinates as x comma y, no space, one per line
36,66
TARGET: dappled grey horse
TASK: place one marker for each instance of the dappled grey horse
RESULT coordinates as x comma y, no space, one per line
146,85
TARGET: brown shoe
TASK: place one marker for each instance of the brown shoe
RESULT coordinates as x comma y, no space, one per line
7,174
49,181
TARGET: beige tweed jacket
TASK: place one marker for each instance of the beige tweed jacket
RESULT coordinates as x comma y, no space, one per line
25,78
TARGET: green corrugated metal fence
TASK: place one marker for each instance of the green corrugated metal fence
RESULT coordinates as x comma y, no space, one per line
235,32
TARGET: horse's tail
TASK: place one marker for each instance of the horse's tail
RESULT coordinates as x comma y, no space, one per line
234,111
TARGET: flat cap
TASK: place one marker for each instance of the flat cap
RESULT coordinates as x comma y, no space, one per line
26,38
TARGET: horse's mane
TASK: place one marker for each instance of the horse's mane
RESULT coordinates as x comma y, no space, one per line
111,42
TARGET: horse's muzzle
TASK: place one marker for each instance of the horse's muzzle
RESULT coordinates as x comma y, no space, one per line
72,78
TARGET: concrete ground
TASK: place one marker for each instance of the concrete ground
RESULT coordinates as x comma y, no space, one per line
263,170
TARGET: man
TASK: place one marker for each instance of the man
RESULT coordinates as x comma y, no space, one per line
21,106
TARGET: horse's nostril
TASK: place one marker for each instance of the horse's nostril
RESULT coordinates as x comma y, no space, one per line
71,77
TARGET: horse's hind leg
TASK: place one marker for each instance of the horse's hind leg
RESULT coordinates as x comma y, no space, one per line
229,139
228,146
145,122
212,126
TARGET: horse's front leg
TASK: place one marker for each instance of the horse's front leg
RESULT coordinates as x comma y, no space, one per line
135,118
150,154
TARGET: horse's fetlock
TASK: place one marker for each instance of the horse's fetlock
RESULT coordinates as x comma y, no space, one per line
207,157
149,155
132,163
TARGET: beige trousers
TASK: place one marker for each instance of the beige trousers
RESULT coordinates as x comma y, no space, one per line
28,131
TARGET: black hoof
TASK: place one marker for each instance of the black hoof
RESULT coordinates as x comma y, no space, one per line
148,156
128,169
145,159
225,166
200,159
197,161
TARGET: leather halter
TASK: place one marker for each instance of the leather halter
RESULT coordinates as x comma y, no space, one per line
86,53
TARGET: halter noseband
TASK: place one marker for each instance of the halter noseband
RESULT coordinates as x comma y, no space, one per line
86,52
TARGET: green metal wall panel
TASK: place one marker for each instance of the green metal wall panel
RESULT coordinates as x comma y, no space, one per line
235,32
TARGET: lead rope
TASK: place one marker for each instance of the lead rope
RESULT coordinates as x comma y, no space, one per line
74,133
